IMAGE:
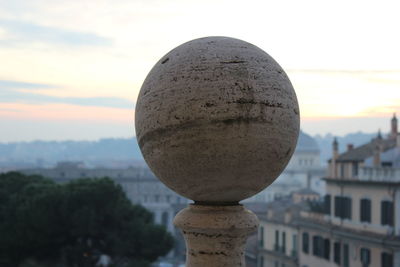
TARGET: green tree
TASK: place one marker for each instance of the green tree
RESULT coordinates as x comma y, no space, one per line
74,223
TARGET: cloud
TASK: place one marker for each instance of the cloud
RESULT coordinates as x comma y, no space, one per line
11,91
19,31
5,84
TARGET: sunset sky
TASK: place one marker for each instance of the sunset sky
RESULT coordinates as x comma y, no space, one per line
73,69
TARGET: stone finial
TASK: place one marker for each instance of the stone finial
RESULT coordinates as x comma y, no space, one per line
217,120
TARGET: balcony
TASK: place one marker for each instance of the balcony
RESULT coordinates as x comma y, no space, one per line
379,174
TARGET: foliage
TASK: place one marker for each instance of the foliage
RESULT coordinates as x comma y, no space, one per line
74,223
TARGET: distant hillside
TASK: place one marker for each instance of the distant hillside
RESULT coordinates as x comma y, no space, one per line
325,142
119,152
91,152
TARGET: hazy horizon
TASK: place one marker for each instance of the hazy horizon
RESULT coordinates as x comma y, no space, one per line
72,131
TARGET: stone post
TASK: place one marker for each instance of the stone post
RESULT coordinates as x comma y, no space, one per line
217,121
216,235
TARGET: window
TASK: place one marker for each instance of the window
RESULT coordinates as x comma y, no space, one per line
336,251
343,207
261,237
365,210
365,257
327,204
168,198
387,213
261,263
317,245
276,240
355,169
327,249
306,242
294,245
283,242
345,255
156,198
321,247
387,259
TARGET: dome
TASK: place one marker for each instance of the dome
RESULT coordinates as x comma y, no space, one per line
306,143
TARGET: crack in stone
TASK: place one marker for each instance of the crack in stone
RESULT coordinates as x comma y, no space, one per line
165,60
233,62
254,102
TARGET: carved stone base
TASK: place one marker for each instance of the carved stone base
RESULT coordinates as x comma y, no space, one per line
216,235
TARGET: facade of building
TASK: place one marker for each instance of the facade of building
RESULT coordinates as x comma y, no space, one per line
357,222
278,234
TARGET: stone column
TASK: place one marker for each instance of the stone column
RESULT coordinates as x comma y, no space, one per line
217,121
216,235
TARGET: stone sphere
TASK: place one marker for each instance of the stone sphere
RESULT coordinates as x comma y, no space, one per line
217,120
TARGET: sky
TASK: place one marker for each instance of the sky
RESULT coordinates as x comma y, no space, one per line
73,69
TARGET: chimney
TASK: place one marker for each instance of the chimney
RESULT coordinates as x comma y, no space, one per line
394,130
350,147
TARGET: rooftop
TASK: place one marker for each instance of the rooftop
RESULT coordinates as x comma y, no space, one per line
367,150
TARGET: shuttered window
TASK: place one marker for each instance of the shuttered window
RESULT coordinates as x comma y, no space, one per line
387,260
343,206
345,255
306,243
276,240
283,242
365,210
327,249
337,254
321,247
387,213
365,257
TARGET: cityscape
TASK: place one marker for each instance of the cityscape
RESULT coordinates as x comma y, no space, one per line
199,134
338,213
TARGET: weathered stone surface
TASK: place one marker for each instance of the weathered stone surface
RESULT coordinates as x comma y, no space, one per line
216,235
217,120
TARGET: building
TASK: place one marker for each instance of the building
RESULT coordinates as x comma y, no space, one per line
278,235
357,222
